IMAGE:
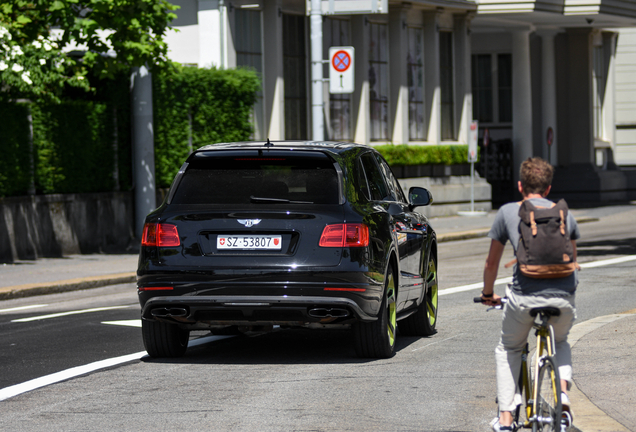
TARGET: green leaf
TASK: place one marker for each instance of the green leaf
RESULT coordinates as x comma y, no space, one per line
23,19
57,5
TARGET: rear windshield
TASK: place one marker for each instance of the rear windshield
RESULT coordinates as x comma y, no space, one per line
259,179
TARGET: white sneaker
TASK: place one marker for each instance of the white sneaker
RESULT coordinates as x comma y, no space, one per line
496,427
566,416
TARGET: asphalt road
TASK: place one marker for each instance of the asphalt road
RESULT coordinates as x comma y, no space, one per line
289,380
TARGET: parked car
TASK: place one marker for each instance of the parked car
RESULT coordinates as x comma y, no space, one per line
312,234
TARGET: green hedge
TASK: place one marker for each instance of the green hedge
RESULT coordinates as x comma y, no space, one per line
219,103
15,170
73,144
77,143
404,154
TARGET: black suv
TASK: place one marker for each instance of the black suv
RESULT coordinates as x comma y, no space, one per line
312,234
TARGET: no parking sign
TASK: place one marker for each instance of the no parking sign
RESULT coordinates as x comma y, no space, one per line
341,70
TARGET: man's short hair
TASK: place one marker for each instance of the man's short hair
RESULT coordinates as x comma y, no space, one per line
535,175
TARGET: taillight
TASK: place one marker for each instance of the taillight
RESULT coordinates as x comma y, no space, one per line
162,235
345,235
166,288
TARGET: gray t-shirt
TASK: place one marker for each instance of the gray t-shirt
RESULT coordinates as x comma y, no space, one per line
506,228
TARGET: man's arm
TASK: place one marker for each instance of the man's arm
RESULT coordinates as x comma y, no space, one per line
490,273
574,254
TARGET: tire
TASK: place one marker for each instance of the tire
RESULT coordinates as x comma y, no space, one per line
424,321
164,340
377,339
548,403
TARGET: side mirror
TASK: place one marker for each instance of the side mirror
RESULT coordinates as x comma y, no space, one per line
419,196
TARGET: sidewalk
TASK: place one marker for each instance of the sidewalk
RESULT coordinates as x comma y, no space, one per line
611,380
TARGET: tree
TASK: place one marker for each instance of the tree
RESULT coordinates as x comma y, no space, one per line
46,45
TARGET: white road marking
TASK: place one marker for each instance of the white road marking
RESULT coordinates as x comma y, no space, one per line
15,390
61,314
436,342
480,285
20,308
125,323
618,260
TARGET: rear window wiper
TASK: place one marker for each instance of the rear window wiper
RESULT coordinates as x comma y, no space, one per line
260,200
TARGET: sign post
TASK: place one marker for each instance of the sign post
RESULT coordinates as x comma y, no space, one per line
341,73
472,158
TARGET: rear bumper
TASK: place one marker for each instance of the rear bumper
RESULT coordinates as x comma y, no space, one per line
254,310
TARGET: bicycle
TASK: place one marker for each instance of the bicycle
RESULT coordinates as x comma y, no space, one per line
541,384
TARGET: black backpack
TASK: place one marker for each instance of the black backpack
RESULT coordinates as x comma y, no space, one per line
545,250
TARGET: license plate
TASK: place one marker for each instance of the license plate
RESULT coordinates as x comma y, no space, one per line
251,242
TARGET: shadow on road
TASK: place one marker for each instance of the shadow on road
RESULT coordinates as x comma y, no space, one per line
604,248
288,346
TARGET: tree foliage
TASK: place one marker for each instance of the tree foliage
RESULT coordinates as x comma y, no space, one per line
46,45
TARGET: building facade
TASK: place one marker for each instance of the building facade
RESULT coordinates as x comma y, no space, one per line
412,66
551,76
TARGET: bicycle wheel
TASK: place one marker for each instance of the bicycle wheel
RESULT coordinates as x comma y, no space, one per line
547,415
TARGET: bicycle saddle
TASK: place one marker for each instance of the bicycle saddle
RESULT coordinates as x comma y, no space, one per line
548,311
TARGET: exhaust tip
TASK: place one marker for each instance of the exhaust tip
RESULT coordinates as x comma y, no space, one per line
169,312
328,313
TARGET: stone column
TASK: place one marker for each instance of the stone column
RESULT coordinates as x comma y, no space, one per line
463,85
360,98
273,82
579,112
521,100
399,91
548,96
432,89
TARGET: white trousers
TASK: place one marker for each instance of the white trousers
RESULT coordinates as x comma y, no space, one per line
515,328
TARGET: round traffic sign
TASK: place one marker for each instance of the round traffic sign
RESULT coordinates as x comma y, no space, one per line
341,61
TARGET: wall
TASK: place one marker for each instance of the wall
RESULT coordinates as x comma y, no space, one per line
451,194
43,226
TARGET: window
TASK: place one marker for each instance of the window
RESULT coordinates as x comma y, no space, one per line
446,85
415,77
249,54
395,190
295,76
240,178
337,33
379,81
482,88
492,87
504,74
374,178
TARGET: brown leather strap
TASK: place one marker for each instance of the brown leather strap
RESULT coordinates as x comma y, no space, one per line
533,224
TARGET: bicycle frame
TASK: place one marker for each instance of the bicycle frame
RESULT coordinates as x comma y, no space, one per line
544,360
545,343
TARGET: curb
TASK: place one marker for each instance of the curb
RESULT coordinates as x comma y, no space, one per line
28,290
483,232
463,235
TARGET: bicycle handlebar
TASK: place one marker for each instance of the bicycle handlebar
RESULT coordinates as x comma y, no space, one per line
498,307
480,300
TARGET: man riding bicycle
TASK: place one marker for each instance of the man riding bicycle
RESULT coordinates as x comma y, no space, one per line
526,293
